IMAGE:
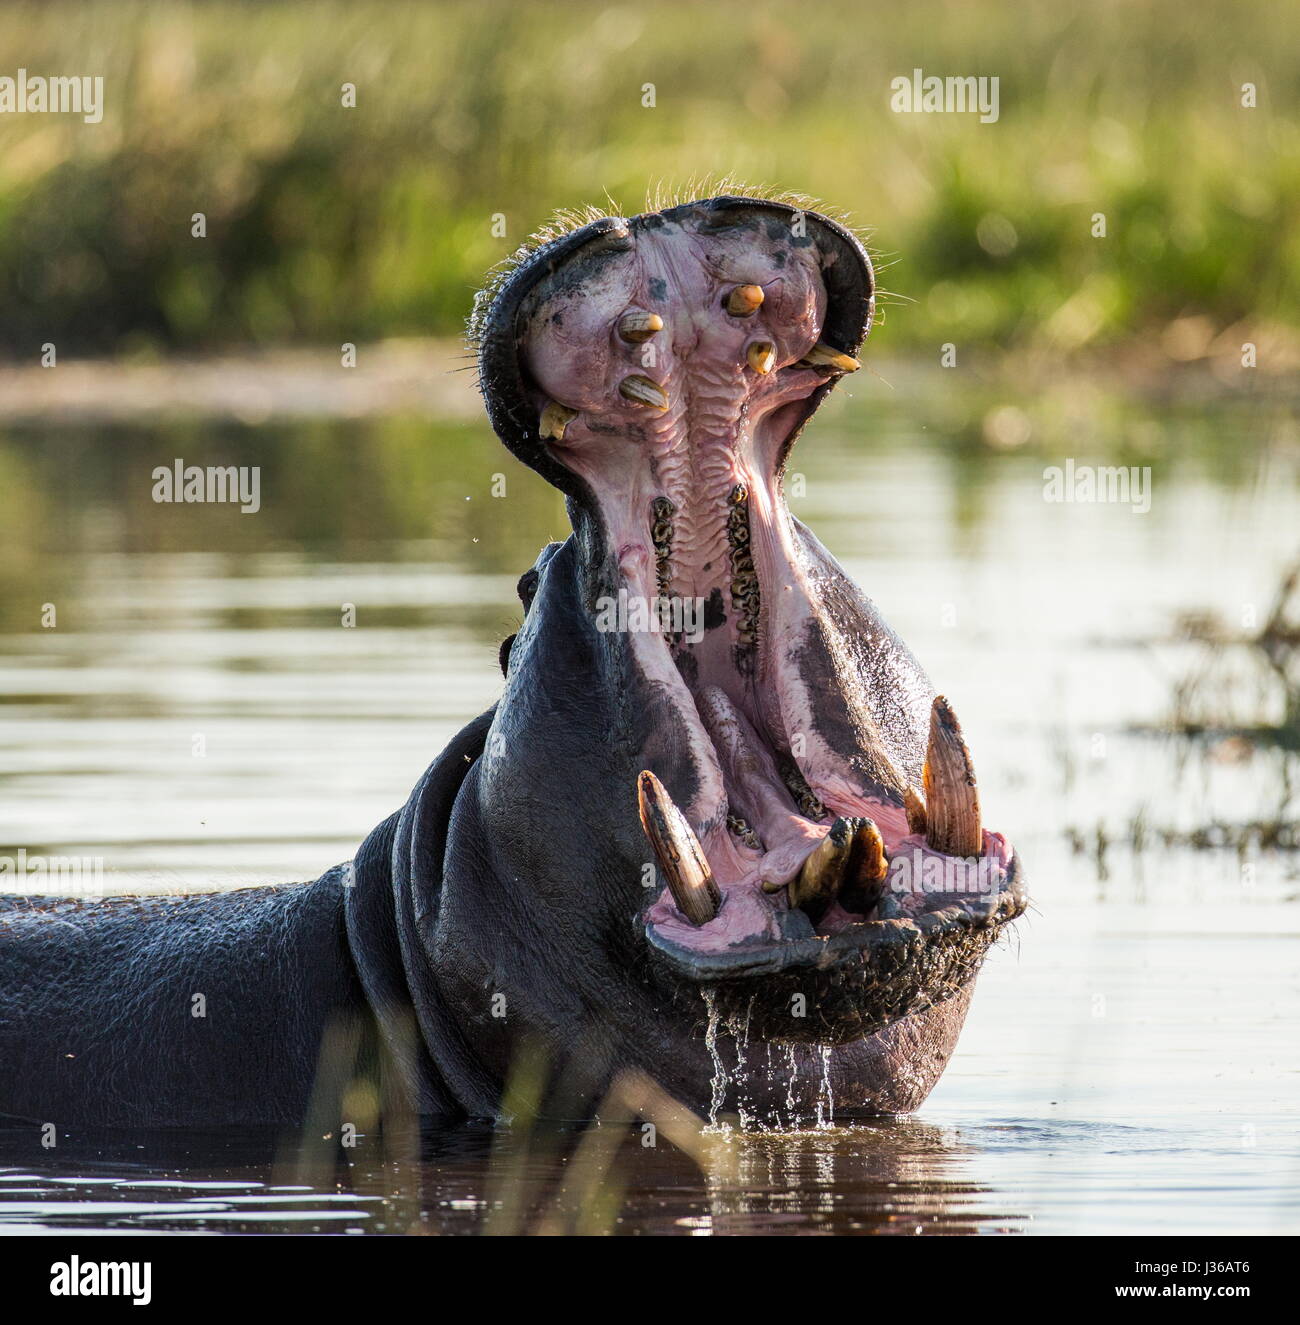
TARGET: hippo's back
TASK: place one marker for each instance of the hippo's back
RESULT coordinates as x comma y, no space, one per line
170,1011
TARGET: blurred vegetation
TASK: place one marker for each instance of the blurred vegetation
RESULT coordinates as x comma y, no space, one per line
328,223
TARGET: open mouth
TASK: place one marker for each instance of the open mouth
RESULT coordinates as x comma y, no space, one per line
852,920
812,812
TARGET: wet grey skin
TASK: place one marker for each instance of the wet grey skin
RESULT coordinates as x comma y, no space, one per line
516,901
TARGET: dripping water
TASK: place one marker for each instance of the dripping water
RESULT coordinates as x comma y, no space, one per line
825,1100
789,1088
738,1029
720,1078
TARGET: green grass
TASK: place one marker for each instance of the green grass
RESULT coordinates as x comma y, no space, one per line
328,224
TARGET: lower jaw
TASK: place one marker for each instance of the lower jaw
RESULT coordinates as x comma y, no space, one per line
760,813
871,980
760,805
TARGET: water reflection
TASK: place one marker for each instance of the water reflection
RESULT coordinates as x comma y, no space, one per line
895,1176
1129,1050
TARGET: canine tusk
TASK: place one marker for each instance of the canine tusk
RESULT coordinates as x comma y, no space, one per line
952,802
678,850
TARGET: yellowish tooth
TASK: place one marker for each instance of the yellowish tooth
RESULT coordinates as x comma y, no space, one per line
678,850
864,877
642,391
818,882
824,356
762,356
952,801
637,326
915,808
745,300
870,859
555,419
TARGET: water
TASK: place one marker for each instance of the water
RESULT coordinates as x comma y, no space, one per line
200,718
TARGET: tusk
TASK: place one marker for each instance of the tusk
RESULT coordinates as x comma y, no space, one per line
636,327
762,356
817,884
642,391
915,808
745,300
678,850
555,419
823,356
951,797
868,865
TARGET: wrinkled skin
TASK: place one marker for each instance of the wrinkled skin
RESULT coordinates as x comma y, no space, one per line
515,899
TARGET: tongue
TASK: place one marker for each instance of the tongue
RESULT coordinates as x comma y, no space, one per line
754,787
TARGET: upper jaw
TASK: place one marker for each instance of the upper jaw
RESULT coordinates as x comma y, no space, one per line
494,330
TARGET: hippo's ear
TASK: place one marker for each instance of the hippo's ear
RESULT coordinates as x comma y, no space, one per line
527,591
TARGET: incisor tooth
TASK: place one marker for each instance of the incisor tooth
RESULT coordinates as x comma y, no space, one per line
678,850
744,300
555,419
642,391
824,356
952,802
638,326
762,356
818,883
864,877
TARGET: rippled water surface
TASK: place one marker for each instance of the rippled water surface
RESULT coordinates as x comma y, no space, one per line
200,718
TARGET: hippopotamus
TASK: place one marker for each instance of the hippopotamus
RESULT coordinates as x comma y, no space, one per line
718,830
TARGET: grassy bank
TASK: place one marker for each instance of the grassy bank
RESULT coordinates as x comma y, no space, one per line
327,223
